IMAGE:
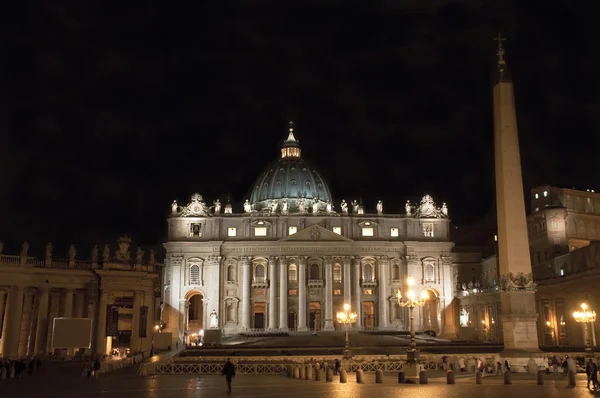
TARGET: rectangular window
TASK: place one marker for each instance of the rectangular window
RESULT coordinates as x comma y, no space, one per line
260,231
337,292
231,231
537,196
292,230
562,272
545,193
367,231
337,230
428,229
292,292
195,230
368,292
394,232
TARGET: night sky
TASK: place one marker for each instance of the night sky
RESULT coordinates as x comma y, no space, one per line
111,111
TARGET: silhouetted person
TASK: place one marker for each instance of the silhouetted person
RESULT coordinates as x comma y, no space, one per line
229,373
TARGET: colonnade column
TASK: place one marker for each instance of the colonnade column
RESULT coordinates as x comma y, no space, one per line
328,294
346,277
12,322
302,294
272,293
25,321
67,308
245,293
41,332
2,302
384,264
283,293
135,343
356,292
101,325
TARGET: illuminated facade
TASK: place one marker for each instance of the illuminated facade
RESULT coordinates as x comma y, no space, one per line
288,260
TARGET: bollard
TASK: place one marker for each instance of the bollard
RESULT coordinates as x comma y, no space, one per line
309,372
507,377
423,377
329,375
401,377
478,377
450,379
318,375
540,378
302,372
360,376
343,376
571,376
296,372
379,376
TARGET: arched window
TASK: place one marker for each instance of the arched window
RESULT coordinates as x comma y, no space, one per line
194,274
259,272
368,272
292,273
314,272
231,273
337,273
429,272
395,272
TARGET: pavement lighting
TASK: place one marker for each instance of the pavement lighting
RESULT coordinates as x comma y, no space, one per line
346,317
411,301
586,317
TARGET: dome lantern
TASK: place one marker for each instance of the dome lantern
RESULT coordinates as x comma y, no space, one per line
291,146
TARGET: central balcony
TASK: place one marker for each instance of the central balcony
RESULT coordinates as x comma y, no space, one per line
370,282
260,282
315,283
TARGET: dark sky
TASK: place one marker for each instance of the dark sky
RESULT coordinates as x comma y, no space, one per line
113,110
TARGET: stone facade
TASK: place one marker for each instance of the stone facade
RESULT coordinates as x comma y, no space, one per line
118,292
290,263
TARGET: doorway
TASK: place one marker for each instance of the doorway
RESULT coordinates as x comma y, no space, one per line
292,325
259,315
369,315
431,312
314,318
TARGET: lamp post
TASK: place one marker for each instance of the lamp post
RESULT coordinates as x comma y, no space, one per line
586,317
346,317
411,301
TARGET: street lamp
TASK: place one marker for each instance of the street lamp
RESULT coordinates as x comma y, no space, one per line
411,301
346,317
586,317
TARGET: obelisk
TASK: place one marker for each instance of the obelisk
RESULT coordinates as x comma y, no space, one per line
517,290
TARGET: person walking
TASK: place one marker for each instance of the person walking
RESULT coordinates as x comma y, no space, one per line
229,373
591,370
336,367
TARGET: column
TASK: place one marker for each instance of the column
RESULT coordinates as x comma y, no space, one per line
135,343
79,305
302,294
101,324
12,322
272,293
356,292
245,293
348,283
328,294
2,302
41,332
33,322
25,322
383,262
151,319
283,293
67,307
53,313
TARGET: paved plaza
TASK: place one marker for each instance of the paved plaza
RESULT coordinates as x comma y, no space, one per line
67,382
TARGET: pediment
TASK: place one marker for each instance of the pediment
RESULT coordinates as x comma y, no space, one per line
315,233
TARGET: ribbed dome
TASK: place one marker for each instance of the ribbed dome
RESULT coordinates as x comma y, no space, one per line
289,178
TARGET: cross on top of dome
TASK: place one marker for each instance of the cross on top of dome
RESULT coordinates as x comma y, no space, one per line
291,147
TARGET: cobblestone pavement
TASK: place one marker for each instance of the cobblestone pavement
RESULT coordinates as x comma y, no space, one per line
124,384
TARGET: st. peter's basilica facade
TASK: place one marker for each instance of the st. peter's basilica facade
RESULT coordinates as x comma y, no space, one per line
289,259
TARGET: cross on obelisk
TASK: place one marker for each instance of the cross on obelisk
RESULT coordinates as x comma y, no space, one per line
500,52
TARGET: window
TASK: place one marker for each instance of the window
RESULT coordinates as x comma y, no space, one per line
394,232
554,224
292,292
194,274
337,292
292,230
429,272
337,230
337,273
537,209
367,231
314,272
562,271
368,292
259,272
260,231
395,272
195,230
368,272
545,193
537,196
292,275
231,231
428,230
231,273
231,312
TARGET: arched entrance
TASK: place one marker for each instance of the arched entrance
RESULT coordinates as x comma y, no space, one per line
194,318
431,312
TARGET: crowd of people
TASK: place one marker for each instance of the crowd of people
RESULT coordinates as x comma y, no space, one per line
17,369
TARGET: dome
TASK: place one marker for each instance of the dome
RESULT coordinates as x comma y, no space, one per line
289,178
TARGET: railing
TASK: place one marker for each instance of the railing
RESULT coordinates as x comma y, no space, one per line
315,282
10,260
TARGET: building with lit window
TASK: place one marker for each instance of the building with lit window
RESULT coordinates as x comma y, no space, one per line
288,260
